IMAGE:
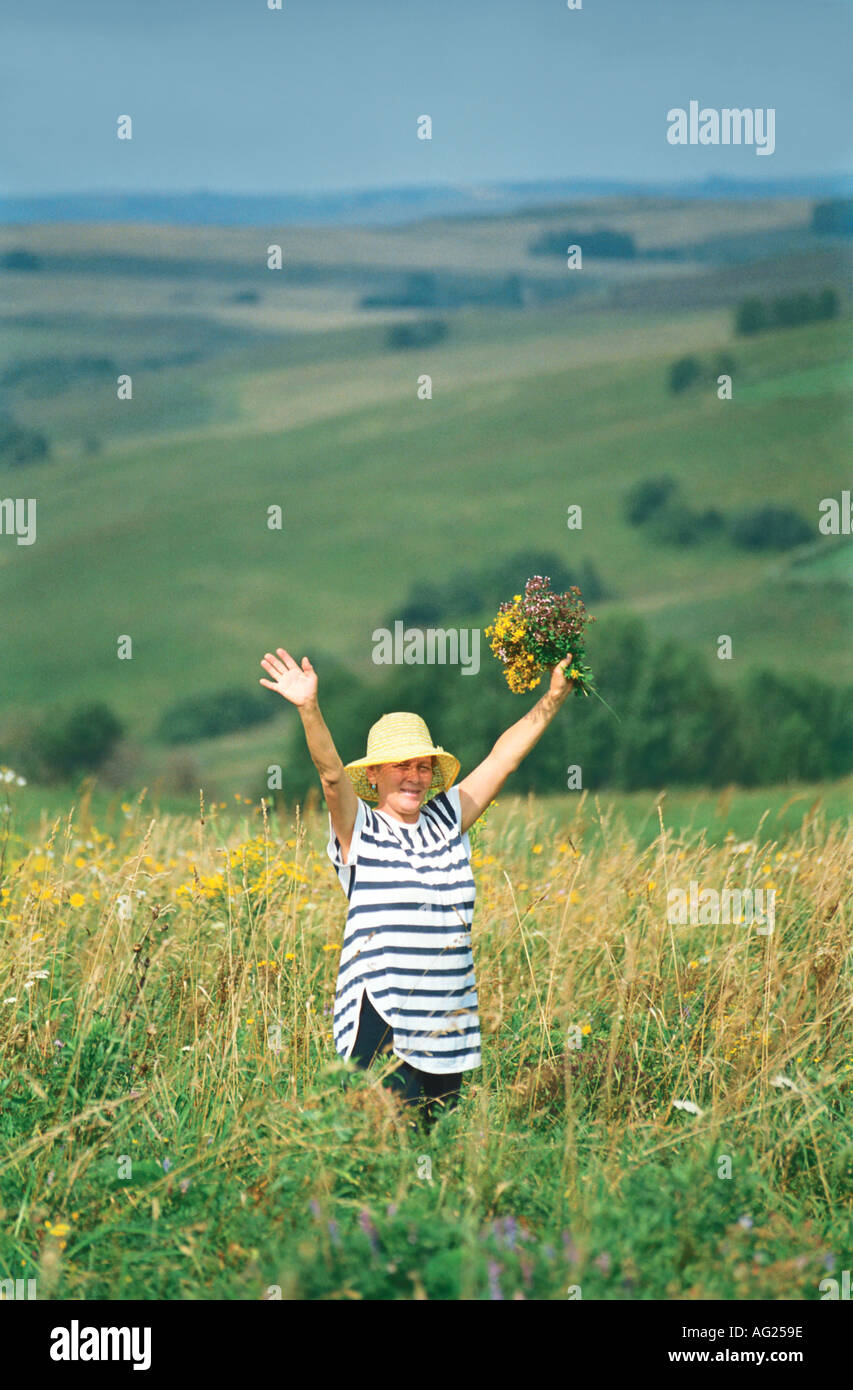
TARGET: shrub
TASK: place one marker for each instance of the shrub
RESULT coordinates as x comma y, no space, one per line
208,716
790,309
19,259
751,317
42,376
646,497
786,311
835,215
57,747
827,304
600,241
674,523
709,522
657,504
475,590
423,333
770,528
20,446
683,373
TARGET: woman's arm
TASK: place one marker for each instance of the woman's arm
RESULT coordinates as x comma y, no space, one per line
299,686
483,784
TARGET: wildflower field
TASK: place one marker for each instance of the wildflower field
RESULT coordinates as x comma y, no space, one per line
662,1112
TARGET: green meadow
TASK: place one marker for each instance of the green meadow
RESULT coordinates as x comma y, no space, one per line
152,512
663,1110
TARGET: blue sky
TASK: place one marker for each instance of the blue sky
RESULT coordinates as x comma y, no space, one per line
325,94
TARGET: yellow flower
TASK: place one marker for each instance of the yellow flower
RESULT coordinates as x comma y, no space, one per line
290,956
76,900
536,849
586,1029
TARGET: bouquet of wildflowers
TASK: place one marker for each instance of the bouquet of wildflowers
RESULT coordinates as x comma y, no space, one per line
536,630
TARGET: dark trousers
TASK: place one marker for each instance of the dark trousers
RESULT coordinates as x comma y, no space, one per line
423,1089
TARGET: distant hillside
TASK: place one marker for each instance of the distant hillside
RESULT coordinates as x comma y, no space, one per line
385,206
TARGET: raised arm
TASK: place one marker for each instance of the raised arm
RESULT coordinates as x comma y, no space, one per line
299,686
483,784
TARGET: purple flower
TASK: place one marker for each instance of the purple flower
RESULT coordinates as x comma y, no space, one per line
494,1286
829,1262
368,1227
569,1246
167,1163
333,1232
391,1209
315,1207
602,1262
184,1184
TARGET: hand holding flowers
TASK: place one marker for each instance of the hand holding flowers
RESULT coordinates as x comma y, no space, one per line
540,631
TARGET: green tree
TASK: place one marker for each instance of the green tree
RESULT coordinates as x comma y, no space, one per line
683,373
78,742
646,497
770,528
751,316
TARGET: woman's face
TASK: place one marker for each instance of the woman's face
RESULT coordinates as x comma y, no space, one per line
402,786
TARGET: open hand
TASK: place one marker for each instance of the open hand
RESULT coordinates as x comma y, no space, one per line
296,684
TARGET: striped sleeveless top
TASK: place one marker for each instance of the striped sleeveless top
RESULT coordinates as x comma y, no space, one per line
407,939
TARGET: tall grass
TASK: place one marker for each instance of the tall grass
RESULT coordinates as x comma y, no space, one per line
174,1121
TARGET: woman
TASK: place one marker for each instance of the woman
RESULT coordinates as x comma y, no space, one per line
406,975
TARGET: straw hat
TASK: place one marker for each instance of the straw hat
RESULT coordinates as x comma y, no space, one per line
395,738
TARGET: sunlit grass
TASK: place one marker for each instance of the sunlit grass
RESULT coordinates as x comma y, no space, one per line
172,1118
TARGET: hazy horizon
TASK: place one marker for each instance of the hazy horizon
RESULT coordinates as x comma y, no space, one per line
320,98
